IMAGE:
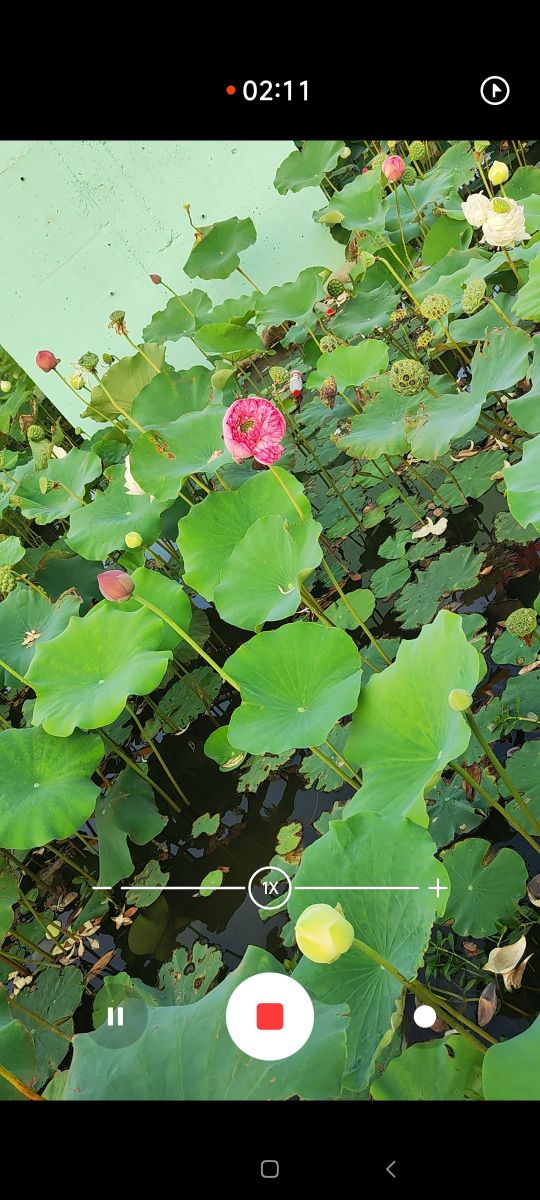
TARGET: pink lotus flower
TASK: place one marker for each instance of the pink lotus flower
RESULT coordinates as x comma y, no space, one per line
46,360
253,428
393,168
115,585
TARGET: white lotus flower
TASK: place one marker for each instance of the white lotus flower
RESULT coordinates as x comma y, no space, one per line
507,227
130,484
475,209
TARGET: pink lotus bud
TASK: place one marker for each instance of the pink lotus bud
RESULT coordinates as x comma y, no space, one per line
393,168
115,585
155,278
46,360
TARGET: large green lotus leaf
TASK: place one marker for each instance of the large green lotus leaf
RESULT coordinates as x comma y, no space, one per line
237,310
437,423
306,167
85,675
444,235
100,527
260,581
211,530
443,1069
352,365
17,1052
168,396
524,182
11,551
450,813
291,301
404,733
371,850
511,1069
69,477
526,409
475,476
160,461
527,304
500,363
368,311
482,895
359,203
380,429
127,809
363,603
46,791
454,271
26,620
522,491
54,997
295,683
166,594
482,323
228,340
455,571
389,578
216,255
454,168
185,1053
9,895
524,770
124,380
180,316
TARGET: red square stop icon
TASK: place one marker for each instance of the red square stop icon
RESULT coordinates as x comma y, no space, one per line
269,1016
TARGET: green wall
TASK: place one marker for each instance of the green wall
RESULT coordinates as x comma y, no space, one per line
82,224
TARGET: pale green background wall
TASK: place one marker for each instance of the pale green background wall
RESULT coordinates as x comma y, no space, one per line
82,224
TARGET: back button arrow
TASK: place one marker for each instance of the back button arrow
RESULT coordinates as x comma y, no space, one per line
389,1168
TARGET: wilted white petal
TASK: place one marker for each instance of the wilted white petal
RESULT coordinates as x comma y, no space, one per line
505,958
130,484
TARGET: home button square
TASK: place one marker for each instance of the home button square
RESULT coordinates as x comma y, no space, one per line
269,1168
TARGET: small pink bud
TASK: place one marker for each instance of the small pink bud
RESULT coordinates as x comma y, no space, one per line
393,168
115,585
155,278
365,170
46,360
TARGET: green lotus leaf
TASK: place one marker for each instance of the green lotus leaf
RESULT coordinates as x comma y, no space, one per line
527,303
168,397
127,809
166,594
525,409
435,424
69,477
359,203
368,311
11,551
444,235
291,301
453,272
237,310
26,620
363,602
482,895
191,695
212,529
511,1069
450,813
482,323
457,570
160,461
228,340
389,578
11,404
372,850
380,429
523,768
100,527
54,997
404,733
216,255
185,1052
509,649
9,895
17,1052
123,381
86,674
443,1069
352,365
306,167
180,316
502,361
218,747
46,791
147,885
295,682
521,482
206,823
474,476
260,580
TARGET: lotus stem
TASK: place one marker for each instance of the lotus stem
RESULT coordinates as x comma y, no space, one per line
512,266
12,671
159,757
142,353
186,638
342,759
477,787
450,474
25,1091
121,753
501,771
498,309
33,1016
334,766
354,613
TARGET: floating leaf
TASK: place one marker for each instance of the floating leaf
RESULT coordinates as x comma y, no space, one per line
27,619
361,600
444,1069
481,895
261,579
151,874
379,429
451,814
85,675
211,882
54,997
216,255
456,570
46,790
17,1052
127,809
205,824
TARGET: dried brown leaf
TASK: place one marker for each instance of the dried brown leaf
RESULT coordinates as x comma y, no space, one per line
487,1004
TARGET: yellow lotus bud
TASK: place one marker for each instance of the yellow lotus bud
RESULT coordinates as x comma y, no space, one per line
346,152
498,173
459,699
133,540
334,217
323,934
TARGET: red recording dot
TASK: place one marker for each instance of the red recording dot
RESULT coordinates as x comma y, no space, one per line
230,90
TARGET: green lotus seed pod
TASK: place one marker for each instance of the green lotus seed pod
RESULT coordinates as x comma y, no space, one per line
7,580
417,151
328,391
398,315
408,376
35,433
329,343
522,623
434,307
4,537
473,295
5,385
335,288
117,317
459,699
88,361
409,175
500,205
278,375
107,358
424,339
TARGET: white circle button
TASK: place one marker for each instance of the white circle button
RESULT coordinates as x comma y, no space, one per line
425,1016
495,89
270,1016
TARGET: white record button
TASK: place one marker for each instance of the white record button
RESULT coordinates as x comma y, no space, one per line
270,1016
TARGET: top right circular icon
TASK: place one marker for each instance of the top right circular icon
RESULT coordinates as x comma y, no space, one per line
495,89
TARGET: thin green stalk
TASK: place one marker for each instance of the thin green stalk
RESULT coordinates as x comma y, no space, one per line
27,1092
334,766
501,771
340,756
12,671
512,266
450,474
159,757
33,1016
498,309
250,281
428,485
121,753
141,352
421,221
477,787
417,515
354,613
186,638
70,862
